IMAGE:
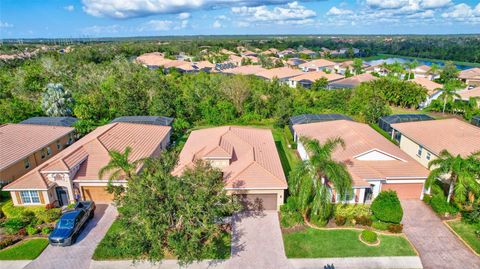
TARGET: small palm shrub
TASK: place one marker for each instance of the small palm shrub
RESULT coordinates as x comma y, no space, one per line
369,236
386,207
290,213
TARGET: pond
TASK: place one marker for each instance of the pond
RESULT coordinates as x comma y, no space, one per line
406,60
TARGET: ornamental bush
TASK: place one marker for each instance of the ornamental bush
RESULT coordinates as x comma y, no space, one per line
395,228
352,213
46,230
386,207
290,214
369,236
382,226
12,226
31,230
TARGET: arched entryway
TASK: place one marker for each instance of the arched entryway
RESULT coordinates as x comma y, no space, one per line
62,195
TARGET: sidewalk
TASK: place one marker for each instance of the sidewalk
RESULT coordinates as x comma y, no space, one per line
409,262
14,264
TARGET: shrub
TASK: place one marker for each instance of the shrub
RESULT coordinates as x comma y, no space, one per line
440,205
22,232
363,220
31,230
352,213
340,220
12,226
27,216
472,215
12,211
395,228
290,214
369,236
29,213
386,207
427,199
48,216
382,226
6,242
46,230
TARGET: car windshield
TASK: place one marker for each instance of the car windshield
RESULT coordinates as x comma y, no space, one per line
66,224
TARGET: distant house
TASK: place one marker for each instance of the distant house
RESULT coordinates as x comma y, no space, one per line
228,52
244,70
248,53
308,78
51,121
385,123
247,157
152,60
433,89
423,71
465,95
342,67
424,140
318,65
470,76
151,120
351,82
234,59
26,146
73,173
374,163
287,52
283,74
270,51
294,62
309,53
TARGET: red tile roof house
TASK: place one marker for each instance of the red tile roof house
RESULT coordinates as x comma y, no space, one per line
247,157
25,146
308,78
283,74
318,65
374,163
73,173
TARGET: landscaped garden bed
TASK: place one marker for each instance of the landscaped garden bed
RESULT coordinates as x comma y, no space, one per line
26,227
314,243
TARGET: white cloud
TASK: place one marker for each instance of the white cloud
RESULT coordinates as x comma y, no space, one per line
122,9
5,24
184,15
217,24
338,11
386,4
292,13
463,12
69,8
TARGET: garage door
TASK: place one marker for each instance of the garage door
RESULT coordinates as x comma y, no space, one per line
259,201
99,195
405,190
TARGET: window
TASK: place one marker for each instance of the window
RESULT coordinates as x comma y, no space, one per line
419,152
428,156
43,153
26,163
59,145
70,139
29,197
49,151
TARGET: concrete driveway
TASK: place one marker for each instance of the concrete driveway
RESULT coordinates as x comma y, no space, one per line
437,245
257,241
78,256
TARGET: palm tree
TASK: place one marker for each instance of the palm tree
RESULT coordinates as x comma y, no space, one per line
449,93
120,164
463,173
309,179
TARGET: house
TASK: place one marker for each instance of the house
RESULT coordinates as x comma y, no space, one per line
234,59
308,78
73,173
470,76
204,66
228,52
465,95
351,82
342,67
318,65
283,74
424,140
248,53
26,146
423,71
287,52
152,60
151,120
270,51
247,157
385,122
309,53
378,69
244,70
433,89
373,162
293,62
51,121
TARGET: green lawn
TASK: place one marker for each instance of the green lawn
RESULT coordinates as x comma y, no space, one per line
26,250
108,248
312,243
287,155
467,233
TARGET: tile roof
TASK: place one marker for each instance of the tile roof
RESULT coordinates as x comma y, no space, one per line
472,73
422,69
317,64
152,59
254,158
91,152
354,81
312,76
17,141
456,136
431,86
360,139
155,120
280,73
466,94
244,70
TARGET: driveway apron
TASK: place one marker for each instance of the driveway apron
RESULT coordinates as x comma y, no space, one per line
437,245
79,255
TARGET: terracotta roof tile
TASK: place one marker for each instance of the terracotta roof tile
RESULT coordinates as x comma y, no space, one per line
280,73
466,94
431,86
313,76
319,63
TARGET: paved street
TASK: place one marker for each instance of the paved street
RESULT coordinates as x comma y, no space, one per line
78,256
437,245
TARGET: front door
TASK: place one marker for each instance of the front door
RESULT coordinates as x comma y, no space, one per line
62,196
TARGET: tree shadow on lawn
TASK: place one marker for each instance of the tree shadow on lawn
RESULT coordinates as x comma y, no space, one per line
99,212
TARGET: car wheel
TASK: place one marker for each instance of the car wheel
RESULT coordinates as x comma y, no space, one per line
92,214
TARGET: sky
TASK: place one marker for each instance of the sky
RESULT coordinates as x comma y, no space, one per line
122,18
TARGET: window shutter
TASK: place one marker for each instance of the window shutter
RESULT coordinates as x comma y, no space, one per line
40,195
19,200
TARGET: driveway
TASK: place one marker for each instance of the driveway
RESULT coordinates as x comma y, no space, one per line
257,242
78,256
437,245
